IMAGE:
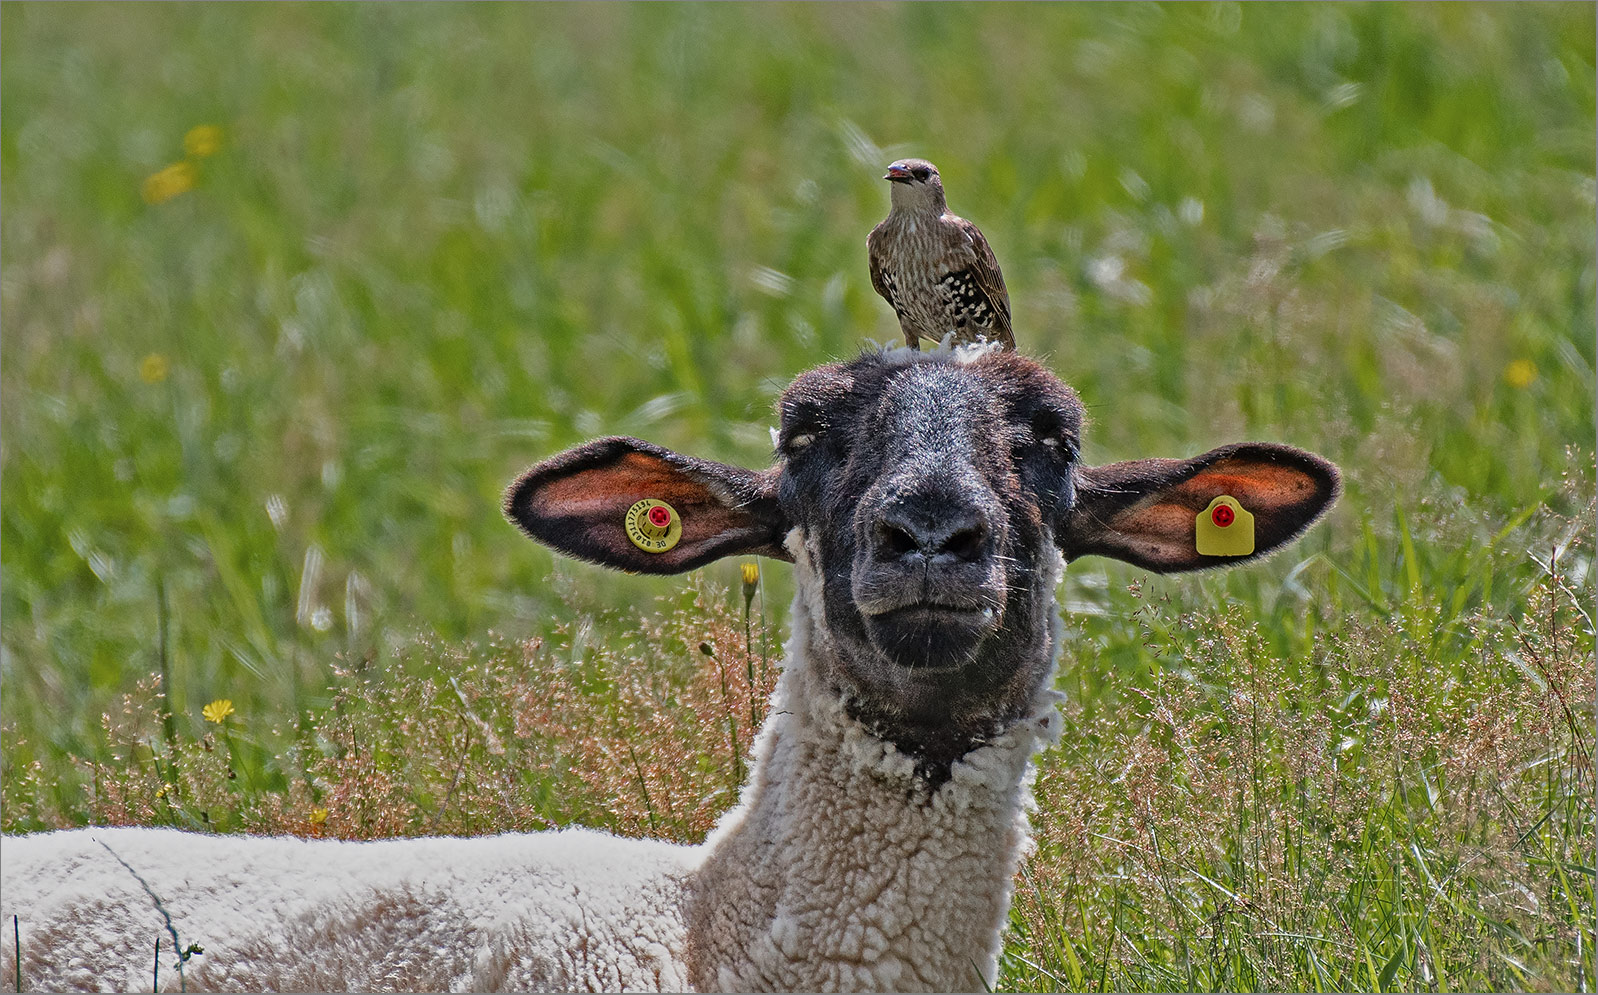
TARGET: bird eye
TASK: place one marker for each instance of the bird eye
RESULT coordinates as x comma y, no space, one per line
920,172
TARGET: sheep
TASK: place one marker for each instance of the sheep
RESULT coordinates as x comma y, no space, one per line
928,503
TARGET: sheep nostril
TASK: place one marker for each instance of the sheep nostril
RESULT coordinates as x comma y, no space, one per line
964,544
896,542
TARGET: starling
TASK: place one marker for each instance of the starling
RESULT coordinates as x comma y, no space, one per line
936,268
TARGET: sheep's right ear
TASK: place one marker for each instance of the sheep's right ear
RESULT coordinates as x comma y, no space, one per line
578,503
1145,512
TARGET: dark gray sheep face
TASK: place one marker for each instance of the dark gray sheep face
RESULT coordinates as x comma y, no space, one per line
928,491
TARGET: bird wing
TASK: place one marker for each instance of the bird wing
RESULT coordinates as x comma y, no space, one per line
985,267
874,256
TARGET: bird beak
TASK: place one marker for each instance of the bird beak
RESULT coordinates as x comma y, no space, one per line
898,174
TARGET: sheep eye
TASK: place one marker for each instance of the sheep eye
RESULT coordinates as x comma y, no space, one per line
800,441
1059,443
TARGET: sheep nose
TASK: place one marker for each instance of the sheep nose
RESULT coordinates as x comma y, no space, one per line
933,531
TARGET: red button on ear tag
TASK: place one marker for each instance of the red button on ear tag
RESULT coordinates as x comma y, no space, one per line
653,526
1224,528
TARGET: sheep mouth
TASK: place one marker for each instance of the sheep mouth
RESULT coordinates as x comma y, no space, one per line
928,635
929,611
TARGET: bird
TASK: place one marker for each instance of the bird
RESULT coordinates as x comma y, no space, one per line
935,268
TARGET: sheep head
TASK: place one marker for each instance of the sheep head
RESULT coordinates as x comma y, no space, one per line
926,494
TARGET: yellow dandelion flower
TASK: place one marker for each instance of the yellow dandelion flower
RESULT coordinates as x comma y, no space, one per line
153,368
751,578
318,816
217,710
201,141
162,791
1520,373
162,186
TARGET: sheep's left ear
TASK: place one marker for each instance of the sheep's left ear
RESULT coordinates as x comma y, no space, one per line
1146,512
579,502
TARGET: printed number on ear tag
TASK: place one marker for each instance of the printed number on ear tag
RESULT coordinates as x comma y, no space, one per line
653,526
1224,529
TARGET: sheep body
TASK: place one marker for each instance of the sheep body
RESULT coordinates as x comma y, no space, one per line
548,911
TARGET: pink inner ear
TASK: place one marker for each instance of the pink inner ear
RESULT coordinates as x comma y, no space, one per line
602,496
631,477
1164,521
1257,486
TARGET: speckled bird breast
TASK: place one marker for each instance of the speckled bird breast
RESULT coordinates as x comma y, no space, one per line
932,288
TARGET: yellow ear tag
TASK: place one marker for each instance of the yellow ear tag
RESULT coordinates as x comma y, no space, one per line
653,526
1224,529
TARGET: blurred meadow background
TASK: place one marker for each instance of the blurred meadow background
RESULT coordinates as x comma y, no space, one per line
290,292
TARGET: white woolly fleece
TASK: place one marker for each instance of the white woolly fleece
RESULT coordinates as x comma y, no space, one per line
837,870
948,348
573,910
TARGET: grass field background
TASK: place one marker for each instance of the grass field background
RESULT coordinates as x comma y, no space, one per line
291,292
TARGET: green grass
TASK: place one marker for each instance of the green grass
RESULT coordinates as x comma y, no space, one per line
438,243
